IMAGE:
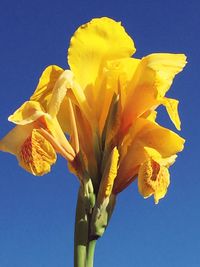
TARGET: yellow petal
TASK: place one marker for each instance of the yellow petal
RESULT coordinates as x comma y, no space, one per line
12,142
85,134
150,115
142,84
29,112
117,75
36,154
53,133
172,109
46,84
133,156
162,139
166,66
109,176
99,40
67,81
153,179
152,79
63,116
145,139
156,156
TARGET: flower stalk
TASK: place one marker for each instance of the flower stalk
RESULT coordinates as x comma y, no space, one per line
84,243
80,233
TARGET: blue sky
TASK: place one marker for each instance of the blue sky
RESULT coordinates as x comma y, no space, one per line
37,213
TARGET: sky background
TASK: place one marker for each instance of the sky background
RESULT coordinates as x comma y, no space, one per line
37,213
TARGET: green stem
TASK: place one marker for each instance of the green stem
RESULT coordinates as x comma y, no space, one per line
84,245
80,234
90,253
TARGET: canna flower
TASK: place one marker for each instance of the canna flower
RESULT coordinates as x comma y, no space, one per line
118,97
100,115
106,103
38,135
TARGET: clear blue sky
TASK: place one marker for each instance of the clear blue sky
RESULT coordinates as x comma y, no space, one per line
37,213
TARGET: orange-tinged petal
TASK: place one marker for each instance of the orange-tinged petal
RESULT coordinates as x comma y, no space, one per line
156,156
141,95
116,76
37,154
95,42
86,143
162,139
153,179
146,139
148,86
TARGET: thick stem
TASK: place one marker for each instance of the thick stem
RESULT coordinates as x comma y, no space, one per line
80,234
90,253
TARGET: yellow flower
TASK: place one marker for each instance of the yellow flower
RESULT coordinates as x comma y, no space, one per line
38,134
117,98
106,103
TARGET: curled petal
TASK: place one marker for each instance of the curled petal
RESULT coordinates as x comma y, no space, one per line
152,78
153,135
48,79
29,112
156,156
166,66
172,109
146,139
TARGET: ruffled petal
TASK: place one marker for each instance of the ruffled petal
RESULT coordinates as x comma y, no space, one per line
166,66
146,139
152,79
153,179
95,42
36,154
156,156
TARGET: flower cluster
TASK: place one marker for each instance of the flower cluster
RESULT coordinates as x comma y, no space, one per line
106,103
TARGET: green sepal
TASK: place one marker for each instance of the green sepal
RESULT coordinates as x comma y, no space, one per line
101,216
89,197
